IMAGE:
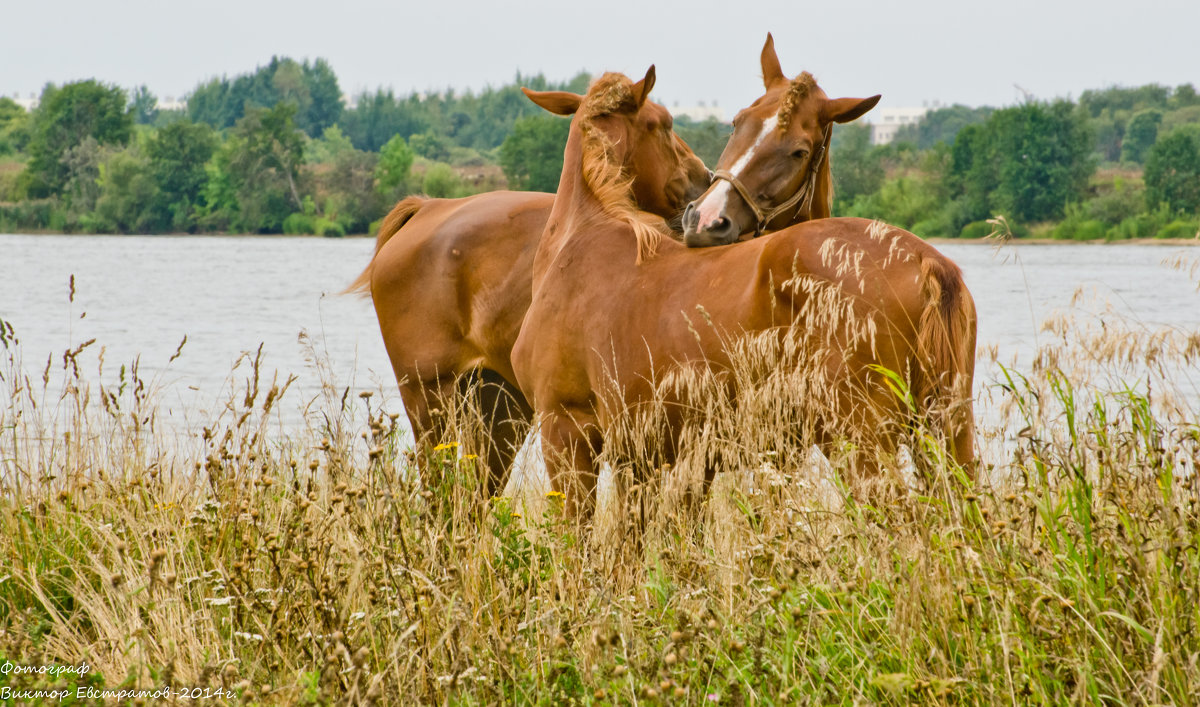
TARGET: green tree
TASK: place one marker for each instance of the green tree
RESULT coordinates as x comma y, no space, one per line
1140,135
1185,95
378,116
326,149
177,155
143,105
312,89
706,138
325,98
392,170
81,184
1108,133
1026,162
942,125
856,165
262,161
1046,151
1173,172
1120,98
430,146
14,133
127,191
65,118
532,155
349,196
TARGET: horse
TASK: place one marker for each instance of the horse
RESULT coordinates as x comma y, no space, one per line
774,171
451,280
617,307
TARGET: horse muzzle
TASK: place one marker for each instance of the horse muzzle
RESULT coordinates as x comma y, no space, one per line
717,230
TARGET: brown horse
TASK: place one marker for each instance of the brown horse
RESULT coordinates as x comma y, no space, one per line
616,308
451,280
774,171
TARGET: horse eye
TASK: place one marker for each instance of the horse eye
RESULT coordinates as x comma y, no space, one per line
800,154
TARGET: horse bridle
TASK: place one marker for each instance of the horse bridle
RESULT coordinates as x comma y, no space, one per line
805,192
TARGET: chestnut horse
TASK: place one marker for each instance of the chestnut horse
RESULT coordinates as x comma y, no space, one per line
774,171
616,307
451,280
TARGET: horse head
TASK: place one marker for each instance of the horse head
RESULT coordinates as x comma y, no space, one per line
630,156
772,166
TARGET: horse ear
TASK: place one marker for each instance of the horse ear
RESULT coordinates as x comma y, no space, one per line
771,70
843,110
557,102
641,89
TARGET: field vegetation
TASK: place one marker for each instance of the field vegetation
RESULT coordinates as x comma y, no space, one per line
326,565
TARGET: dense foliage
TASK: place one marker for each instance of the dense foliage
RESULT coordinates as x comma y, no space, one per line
274,150
280,149
1118,164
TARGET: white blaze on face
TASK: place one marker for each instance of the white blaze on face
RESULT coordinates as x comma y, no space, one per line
713,205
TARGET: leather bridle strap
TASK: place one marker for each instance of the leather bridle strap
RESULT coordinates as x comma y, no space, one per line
805,192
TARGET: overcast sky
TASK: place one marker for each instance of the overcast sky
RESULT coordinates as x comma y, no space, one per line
951,51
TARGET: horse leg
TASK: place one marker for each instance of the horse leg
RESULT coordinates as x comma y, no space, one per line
570,443
424,402
506,419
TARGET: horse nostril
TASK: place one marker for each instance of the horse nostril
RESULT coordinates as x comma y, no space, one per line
721,224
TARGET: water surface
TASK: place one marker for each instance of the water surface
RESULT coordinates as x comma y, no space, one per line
138,296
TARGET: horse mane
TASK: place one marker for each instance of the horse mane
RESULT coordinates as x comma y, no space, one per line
603,174
797,91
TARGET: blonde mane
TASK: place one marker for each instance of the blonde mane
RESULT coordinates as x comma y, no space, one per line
799,89
603,174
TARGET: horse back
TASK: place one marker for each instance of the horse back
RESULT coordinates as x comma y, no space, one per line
451,286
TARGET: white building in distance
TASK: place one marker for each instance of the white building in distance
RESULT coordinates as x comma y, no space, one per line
29,104
886,122
699,112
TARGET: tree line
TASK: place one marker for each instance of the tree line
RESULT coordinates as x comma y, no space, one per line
275,150
278,150
1119,163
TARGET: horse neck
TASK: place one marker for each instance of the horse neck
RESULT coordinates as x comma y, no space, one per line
821,204
822,201
575,207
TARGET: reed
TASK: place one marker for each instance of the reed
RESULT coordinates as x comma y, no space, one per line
320,566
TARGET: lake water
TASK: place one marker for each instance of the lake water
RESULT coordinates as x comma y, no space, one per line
139,296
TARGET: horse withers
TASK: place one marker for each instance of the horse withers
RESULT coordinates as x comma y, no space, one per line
616,308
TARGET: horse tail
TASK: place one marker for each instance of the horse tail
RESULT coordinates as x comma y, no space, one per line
946,346
400,214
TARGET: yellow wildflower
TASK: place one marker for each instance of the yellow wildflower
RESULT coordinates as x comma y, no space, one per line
444,447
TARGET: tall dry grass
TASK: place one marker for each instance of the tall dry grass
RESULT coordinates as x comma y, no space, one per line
319,567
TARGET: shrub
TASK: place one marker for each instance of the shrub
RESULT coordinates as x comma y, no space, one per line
1180,229
442,181
298,224
976,229
1085,230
